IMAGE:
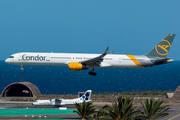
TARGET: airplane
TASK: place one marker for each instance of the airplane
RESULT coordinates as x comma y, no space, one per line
77,62
60,102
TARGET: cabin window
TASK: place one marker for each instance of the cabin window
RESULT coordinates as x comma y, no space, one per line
107,58
78,57
61,57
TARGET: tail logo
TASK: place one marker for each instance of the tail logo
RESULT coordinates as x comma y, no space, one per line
163,48
85,96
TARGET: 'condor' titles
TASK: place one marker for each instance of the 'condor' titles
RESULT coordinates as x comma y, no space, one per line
33,58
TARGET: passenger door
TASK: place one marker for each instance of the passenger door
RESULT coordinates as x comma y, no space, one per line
48,57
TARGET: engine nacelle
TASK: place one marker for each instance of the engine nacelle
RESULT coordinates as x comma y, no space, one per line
76,66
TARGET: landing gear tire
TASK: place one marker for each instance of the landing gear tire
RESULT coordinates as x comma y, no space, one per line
92,73
22,68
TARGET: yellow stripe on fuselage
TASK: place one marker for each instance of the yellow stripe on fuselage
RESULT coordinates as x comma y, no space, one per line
135,60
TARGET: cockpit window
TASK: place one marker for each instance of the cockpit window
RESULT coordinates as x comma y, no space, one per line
11,57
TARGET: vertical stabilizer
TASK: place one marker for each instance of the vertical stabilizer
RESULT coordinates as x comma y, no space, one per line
86,96
162,49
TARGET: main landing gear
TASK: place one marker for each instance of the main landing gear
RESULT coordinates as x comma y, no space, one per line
92,72
22,68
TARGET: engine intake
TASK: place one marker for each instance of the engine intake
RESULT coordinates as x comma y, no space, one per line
77,66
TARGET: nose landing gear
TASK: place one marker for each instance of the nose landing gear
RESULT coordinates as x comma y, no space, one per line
22,68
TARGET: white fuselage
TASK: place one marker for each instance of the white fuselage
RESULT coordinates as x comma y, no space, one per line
62,59
156,56
60,102
52,102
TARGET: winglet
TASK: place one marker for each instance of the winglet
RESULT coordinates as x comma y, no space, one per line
105,52
112,52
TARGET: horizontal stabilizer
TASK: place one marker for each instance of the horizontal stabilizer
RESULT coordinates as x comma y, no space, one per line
163,61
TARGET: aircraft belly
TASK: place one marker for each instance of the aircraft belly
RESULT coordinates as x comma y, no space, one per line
125,66
122,65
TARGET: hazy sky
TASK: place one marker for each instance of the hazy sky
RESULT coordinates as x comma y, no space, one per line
87,26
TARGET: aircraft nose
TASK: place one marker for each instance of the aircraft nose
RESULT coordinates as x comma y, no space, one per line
7,60
32,104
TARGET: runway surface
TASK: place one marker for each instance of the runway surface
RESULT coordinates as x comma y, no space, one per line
174,112
26,106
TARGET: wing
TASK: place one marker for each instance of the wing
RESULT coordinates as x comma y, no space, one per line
58,100
112,52
97,60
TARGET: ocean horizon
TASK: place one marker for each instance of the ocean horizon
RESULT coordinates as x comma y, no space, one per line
61,80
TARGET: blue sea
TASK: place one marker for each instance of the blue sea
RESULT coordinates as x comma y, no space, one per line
61,80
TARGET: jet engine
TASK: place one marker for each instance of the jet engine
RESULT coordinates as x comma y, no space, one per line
77,66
